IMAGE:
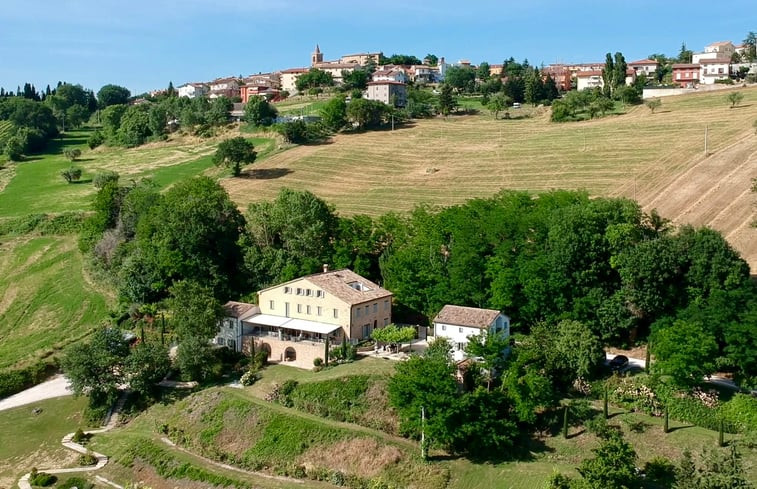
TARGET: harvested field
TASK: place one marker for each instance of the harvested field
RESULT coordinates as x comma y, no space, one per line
447,161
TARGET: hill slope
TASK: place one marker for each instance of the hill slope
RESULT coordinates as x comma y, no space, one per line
443,162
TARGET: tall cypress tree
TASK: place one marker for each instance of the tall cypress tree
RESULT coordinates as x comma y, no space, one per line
607,76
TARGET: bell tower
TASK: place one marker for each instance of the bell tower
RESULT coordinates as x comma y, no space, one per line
317,56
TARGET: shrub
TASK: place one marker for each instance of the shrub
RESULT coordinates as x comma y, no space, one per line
599,426
13,381
248,378
660,471
103,178
96,139
72,154
741,412
318,362
87,459
76,482
42,479
80,437
72,174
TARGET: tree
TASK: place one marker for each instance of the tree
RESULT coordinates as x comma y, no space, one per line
94,368
314,78
614,465
14,148
218,112
608,74
426,383
685,55
498,103
460,77
581,350
492,348
76,115
72,154
71,174
393,334
112,95
447,101
259,112
482,73
134,125
195,359
365,113
750,43
684,351
334,114
145,366
356,79
654,104
234,153
431,59
735,98
195,312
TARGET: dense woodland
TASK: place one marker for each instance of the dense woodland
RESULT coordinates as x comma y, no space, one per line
560,256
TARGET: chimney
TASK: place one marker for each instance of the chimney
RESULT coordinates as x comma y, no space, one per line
325,268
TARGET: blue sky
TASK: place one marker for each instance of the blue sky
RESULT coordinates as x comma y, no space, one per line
143,44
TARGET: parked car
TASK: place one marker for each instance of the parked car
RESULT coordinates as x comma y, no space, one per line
619,362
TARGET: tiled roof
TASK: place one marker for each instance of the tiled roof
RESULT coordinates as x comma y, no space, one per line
582,74
466,316
385,82
685,66
714,61
295,70
240,310
720,43
644,62
339,283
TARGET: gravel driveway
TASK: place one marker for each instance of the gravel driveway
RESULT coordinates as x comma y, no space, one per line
57,386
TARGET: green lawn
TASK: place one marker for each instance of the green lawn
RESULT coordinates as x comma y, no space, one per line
47,299
30,440
36,186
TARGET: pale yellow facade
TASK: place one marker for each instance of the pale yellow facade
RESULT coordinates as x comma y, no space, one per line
303,299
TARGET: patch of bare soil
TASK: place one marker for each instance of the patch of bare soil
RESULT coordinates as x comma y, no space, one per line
365,457
379,414
239,433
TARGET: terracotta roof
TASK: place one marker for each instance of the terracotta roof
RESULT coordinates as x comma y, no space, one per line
345,285
295,70
685,66
714,61
333,66
582,74
385,82
720,43
360,54
466,316
240,310
644,62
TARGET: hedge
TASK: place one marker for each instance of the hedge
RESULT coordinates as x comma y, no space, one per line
14,381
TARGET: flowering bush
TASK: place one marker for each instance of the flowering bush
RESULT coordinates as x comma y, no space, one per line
248,378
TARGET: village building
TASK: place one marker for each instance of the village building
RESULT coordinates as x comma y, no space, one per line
392,93
458,324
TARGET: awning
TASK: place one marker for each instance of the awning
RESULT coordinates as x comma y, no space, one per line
311,326
291,323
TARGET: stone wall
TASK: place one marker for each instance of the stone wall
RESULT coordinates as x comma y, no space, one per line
281,351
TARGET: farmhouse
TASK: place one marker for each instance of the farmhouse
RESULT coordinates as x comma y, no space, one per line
593,79
392,93
646,66
458,324
714,69
224,87
686,74
294,319
192,90
288,78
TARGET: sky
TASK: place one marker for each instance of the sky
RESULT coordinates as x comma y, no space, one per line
143,44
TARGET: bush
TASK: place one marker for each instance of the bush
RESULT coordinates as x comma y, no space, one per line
318,362
72,154
80,437
87,459
660,471
72,174
741,412
42,479
103,178
76,482
248,378
96,139
14,381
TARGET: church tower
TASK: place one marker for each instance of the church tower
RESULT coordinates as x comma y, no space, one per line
317,56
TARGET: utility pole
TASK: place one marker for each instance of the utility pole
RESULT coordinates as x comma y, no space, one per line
423,433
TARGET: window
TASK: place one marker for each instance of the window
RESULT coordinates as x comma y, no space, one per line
299,291
336,313
232,344
220,341
357,312
318,310
270,305
299,308
386,305
307,309
367,309
319,293
678,76
308,292
375,307
386,321
287,290
460,330
444,327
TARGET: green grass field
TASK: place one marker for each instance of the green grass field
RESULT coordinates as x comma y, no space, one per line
36,437
47,300
36,185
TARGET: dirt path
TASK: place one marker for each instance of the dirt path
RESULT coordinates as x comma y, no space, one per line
55,387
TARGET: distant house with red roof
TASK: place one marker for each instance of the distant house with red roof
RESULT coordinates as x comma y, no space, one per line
686,74
646,66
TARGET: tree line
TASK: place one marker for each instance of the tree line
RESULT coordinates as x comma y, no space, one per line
560,256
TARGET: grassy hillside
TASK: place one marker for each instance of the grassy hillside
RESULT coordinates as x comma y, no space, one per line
447,161
37,186
47,300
